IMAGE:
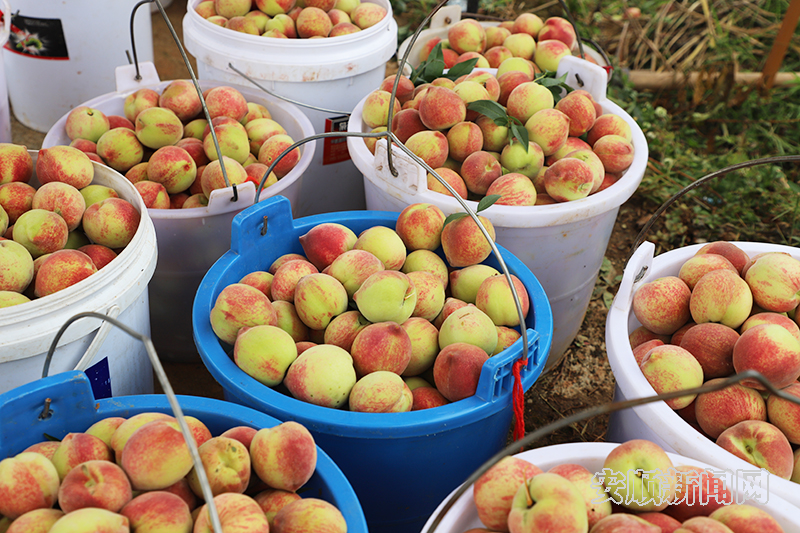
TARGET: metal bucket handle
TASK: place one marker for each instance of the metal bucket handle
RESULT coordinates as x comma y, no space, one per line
168,391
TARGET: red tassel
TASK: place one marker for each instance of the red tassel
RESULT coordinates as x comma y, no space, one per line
518,399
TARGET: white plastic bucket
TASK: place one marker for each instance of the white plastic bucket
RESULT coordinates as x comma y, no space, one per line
334,73
115,362
191,240
563,244
5,110
81,45
656,421
463,516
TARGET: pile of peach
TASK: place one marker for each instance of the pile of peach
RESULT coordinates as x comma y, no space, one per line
61,233
574,149
724,313
163,145
517,496
137,474
283,19
377,322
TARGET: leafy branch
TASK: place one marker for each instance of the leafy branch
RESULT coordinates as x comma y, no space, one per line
433,67
497,114
485,203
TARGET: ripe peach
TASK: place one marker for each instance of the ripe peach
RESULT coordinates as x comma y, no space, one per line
670,368
580,110
513,189
662,305
212,177
712,345
464,139
469,325
239,305
180,97
560,29
406,123
226,101
138,101
284,456
424,345
311,514
457,370
285,279
94,483
324,242
697,266
495,489
62,269
721,296
366,14
385,244
467,35
496,300
450,177
65,164
112,222
158,511
16,164
718,410
272,149
609,124
121,149
738,257
156,455
28,481
615,152
420,226
441,108
568,179
548,53
549,128
464,243
521,45
761,444
479,170
40,232
16,198
526,99
381,391
430,146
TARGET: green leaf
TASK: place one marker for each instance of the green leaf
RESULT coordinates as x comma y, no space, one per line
51,438
454,216
461,69
490,109
520,133
487,202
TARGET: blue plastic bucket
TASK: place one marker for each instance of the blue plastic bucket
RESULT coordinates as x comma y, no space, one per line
74,408
401,465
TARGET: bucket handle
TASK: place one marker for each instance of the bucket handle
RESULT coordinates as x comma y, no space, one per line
98,340
169,393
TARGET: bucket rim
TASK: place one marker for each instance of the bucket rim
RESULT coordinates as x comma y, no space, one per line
337,421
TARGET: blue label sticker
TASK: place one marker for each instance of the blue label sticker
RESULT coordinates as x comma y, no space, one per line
100,379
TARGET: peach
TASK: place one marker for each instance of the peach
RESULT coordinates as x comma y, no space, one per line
670,368
343,329
581,112
495,35
642,334
677,337
569,179
366,14
615,152
427,261
513,189
156,127
226,101
46,448
479,170
94,483
529,23
457,370
324,242
272,500
744,518
760,444
272,150
256,172
427,398
548,54
495,298
406,123
609,124
768,317
239,305
419,226
771,350
237,512
40,232
381,391
662,305
353,267
441,108
774,279
480,61
468,325
572,144
95,193
62,269
274,7
16,164
387,295
463,139
511,79
138,101
284,456
424,345
590,158
718,410
285,258
785,414
375,111
28,481
464,243
156,455
625,484
129,426
521,45
430,294
465,282
526,99
451,177
698,493
518,159
597,507
310,514
712,345
195,200
227,465
16,198
738,257
318,298
697,266
87,123
158,512
322,375
76,448
173,167
65,164
36,521
243,24
233,141
9,298
212,177
112,222
560,29
497,54
264,352
505,338
136,173
405,87
154,194
343,28
289,321
119,121
17,271
260,280
121,149
721,296
385,244
544,499
255,111
381,346
286,277
494,490
180,97
467,35
549,128
91,519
